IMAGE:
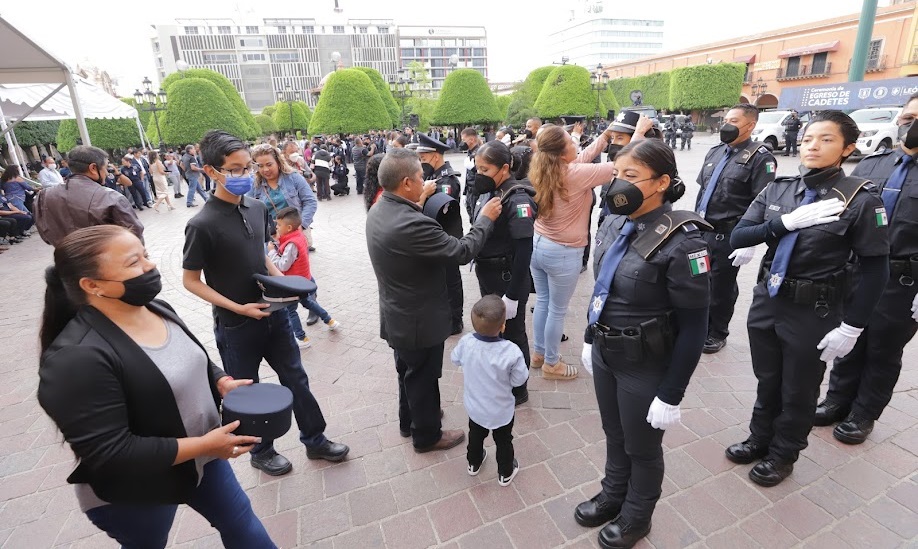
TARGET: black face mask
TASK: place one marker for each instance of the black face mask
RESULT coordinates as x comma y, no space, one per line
728,133
528,134
463,146
428,170
140,290
612,151
624,197
908,134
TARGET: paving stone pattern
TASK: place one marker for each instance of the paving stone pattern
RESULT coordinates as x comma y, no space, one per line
385,495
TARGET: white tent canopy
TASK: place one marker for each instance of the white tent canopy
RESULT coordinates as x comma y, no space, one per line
17,99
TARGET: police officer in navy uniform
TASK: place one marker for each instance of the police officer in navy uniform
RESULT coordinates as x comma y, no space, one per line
688,131
470,144
437,169
861,384
733,173
647,318
806,310
791,129
502,266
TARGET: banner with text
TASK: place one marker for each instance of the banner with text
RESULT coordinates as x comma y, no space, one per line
848,96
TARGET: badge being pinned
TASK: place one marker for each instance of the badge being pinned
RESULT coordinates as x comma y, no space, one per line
699,263
523,210
882,221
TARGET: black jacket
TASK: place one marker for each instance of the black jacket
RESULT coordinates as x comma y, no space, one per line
410,253
117,411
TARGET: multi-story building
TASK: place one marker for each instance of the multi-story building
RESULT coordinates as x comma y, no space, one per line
262,58
591,37
434,48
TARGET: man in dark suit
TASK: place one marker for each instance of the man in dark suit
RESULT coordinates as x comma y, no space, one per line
411,253
147,179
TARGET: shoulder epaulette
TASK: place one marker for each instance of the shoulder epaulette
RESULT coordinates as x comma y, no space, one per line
650,240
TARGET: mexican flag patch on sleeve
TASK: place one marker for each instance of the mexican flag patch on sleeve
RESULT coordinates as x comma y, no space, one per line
523,210
769,167
699,262
882,221
445,188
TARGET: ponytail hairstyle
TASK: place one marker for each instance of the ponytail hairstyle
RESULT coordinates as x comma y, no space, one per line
371,180
548,170
75,258
656,155
522,156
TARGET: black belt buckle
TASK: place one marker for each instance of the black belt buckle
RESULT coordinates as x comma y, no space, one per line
906,281
821,308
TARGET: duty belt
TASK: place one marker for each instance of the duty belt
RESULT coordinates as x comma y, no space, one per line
652,339
818,293
904,269
724,227
501,262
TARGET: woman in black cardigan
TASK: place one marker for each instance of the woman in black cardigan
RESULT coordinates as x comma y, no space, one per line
136,397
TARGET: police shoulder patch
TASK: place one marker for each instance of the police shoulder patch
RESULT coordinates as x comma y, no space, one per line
763,150
699,263
689,227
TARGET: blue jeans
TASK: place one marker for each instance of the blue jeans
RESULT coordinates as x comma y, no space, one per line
194,186
555,269
218,498
310,303
244,345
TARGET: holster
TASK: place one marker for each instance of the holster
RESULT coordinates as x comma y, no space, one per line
652,339
821,294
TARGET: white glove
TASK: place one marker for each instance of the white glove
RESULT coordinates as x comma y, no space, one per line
741,256
817,213
915,309
586,357
511,306
662,415
838,343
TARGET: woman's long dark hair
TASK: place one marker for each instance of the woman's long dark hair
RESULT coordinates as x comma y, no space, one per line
76,257
11,172
371,180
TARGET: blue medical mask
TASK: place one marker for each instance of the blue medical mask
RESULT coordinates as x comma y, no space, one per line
238,185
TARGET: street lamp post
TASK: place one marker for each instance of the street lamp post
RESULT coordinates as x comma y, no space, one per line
181,66
402,88
289,96
336,60
599,82
151,102
759,88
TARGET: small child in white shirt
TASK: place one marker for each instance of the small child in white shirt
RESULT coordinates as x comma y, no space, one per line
492,367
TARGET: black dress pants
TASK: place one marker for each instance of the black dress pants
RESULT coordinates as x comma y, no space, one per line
456,295
790,146
419,393
634,449
865,379
492,281
503,442
783,338
724,289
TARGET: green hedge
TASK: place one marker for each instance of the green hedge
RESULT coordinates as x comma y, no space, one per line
232,95
269,110
567,91
465,99
266,123
301,116
423,107
522,104
384,93
706,86
503,105
40,132
196,106
108,134
656,89
349,103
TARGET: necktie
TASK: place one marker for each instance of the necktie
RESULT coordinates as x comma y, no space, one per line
607,271
482,200
785,249
894,184
712,184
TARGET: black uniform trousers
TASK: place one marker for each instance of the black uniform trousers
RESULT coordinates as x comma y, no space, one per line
634,449
456,295
491,280
503,443
686,140
783,338
360,173
724,289
419,393
865,379
790,144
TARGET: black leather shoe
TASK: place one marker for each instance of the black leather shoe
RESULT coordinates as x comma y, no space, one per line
713,345
596,512
458,328
522,398
329,451
619,534
746,452
271,463
771,471
828,412
854,430
312,318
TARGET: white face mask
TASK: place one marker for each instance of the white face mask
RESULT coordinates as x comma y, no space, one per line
52,166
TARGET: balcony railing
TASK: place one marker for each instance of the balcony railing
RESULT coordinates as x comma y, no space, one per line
804,71
914,58
875,64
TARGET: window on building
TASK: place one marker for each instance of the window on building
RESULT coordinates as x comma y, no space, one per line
281,30
223,30
478,62
338,29
219,58
364,30
252,43
251,30
191,30
285,57
873,54
253,57
383,30
820,63
793,66
478,52
309,29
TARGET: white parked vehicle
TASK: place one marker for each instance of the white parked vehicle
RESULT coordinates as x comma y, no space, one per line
770,128
878,129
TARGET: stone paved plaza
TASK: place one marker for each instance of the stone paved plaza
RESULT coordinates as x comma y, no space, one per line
385,495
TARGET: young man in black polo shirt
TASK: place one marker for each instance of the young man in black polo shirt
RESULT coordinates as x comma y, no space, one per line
226,241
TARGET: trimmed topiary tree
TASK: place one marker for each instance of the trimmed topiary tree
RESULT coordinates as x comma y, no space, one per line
266,123
269,110
522,106
566,91
108,134
39,132
232,96
384,93
655,87
706,86
349,103
281,117
196,106
465,99
503,105
423,107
